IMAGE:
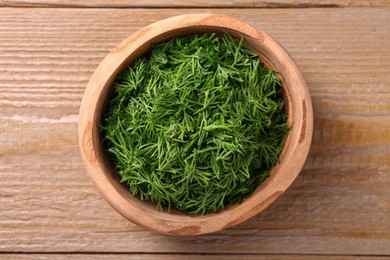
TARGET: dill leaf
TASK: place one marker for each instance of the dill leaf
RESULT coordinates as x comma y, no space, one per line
196,124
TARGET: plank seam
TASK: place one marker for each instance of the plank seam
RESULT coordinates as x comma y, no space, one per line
184,253
272,6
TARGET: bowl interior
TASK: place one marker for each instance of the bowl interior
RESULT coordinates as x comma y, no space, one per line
266,57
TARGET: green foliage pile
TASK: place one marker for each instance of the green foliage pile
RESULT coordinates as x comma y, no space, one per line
196,124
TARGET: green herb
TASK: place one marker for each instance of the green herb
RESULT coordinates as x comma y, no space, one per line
196,124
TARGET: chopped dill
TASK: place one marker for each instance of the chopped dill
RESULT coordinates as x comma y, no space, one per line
196,124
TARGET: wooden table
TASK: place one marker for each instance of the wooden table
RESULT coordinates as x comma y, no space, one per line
339,207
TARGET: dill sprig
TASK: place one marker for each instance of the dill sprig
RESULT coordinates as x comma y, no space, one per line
196,124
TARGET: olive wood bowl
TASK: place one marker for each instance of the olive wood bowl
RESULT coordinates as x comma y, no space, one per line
100,89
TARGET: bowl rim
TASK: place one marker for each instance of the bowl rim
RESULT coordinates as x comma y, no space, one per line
292,158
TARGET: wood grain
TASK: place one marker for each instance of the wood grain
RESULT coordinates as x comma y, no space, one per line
197,3
340,203
180,257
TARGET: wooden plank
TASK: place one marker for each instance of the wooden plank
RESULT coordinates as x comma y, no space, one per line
340,203
179,257
196,3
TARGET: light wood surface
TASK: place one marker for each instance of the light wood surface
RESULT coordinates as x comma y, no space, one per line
181,257
197,3
339,204
184,256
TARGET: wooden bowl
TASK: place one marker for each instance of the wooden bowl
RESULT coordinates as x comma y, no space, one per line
100,89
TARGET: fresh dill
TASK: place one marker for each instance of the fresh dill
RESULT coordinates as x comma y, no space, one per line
196,124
